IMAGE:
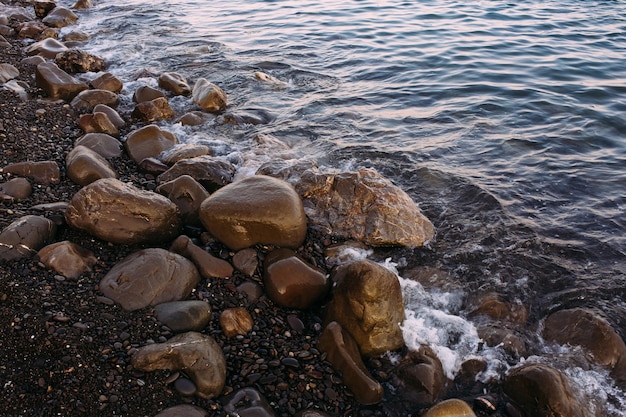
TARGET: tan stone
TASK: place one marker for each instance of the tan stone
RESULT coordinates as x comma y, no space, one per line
67,258
43,172
148,142
175,83
56,82
85,166
236,321
209,96
105,145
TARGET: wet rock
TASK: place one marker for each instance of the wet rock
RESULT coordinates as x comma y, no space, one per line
147,93
76,36
60,17
149,142
209,96
82,4
154,110
211,172
85,166
101,143
363,205
492,305
31,30
291,282
183,410
76,60
257,209
343,354
187,194
542,391
184,316
186,151
120,213
261,76
208,265
56,82
25,236
48,48
450,408
112,114
495,335
174,83
587,329
149,277
67,258
107,81
17,188
196,354
419,377
194,118
249,116
248,402
43,7
236,321
87,100
367,302
8,72
42,172
246,261
97,122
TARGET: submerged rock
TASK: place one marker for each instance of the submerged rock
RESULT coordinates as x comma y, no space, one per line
175,83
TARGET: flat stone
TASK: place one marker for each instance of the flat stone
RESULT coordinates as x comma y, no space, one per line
343,354
17,188
85,166
236,321
120,213
208,96
8,72
149,277
76,36
194,118
184,151
112,114
25,236
105,145
87,100
256,209
174,83
208,265
147,93
148,142
184,316
67,258
187,194
42,172
196,354
48,48
57,83
211,172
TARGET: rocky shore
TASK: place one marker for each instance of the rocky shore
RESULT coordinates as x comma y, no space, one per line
140,276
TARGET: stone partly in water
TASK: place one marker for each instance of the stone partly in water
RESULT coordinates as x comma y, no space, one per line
419,378
175,83
185,151
25,236
154,110
148,142
85,166
292,283
57,83
67,258
450,408
343,354
248,402
120,213
209,96
187,194
367,302
149,277
585,328
256,209
107,81
211,172
42,172
542,391
146,93
198,355
184,316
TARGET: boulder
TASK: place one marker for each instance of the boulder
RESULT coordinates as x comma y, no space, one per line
236,321
42,172
97,122
187,194
248,402
67,258
16,188
291,282
587,329
85,166
208,96
148,142
60,17
76,60
120,213
367,302
57,83
211,172
82,4
107,81
154,110
174,83
8,72
101,143
256,209
497,335
87,100
419,378
147,93
542,391
450,408
208,265
149,277
186,151
184,316
343,354
48,48
196,354
25,236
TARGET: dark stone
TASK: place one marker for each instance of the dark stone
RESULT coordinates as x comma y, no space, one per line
187,194
43,172
211,172
154,110
184,316
419,377
67,258
17,188
146,93
25,236
248,402
76,60
208,265
184,410
246,261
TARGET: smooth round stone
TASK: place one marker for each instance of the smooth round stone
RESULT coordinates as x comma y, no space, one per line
209,96
183,316
148,142
450,408
185,387
236,321
246,261
18,188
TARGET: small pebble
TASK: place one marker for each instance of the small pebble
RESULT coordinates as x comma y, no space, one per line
185,387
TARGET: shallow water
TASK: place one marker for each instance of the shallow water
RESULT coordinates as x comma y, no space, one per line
505,122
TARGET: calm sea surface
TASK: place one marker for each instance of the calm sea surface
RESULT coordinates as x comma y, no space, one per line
505,121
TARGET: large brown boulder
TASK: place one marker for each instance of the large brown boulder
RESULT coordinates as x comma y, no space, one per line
196,354
120,213
367,302
585,328
542,391
154,110
25,236
57,83
419,377
256,209
149,277
60,17
175,83
148,142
